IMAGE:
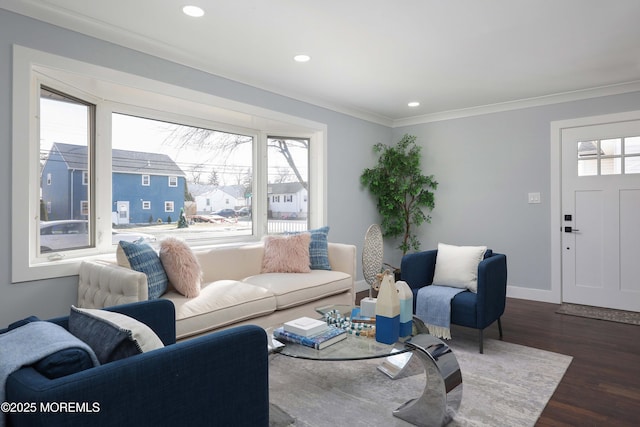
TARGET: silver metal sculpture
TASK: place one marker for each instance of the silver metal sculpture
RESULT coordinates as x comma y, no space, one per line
442,394
372,253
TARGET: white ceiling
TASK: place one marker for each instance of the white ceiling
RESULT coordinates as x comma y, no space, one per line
371,57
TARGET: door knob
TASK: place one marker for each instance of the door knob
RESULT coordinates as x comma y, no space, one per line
570,229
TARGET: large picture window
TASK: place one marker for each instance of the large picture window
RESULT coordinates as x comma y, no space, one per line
204,173
111,162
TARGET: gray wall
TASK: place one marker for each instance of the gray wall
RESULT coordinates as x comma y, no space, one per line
350,210
485,166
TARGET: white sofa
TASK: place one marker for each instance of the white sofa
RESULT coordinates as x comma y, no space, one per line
233,289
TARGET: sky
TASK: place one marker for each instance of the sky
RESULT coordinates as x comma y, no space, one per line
66,122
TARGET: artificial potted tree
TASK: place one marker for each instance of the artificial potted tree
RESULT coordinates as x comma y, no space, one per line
402,190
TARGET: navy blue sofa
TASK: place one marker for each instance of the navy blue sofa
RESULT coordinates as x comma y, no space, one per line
219,379
473,310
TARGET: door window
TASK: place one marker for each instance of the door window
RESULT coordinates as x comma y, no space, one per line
613,156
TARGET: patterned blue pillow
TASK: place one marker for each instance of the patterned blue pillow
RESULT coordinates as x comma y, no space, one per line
107,340
319,249
143,258
112,336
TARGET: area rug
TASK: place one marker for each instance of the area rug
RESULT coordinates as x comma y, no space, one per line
621,316
509,385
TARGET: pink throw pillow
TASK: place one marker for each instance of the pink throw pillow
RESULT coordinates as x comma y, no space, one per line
182,266
286,254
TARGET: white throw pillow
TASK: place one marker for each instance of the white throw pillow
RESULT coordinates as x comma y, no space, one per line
457,266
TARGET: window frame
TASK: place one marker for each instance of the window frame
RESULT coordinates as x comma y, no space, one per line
145,180
127,93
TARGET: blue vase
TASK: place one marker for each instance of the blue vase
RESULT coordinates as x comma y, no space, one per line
387,312
406,308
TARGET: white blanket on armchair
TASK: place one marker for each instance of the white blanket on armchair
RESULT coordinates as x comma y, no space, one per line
28,344
433,307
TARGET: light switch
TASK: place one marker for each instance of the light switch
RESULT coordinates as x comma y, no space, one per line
534,197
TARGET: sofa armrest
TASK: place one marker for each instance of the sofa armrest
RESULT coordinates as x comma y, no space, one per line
492,288
104,284
221,378
342,257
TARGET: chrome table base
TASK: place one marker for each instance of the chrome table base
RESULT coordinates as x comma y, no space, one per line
442,393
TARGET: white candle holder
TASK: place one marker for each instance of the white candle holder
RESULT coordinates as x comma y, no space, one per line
368,307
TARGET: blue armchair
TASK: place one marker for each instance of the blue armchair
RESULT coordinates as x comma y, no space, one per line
217,379
473,310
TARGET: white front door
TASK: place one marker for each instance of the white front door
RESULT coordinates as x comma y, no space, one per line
123,212
601,215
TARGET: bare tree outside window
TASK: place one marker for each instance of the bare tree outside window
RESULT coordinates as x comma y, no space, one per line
223,145
288,169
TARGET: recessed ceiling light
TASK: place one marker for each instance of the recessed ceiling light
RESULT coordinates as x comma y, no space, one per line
193,11
414,104
302,58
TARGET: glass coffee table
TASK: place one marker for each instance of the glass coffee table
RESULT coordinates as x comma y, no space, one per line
443,386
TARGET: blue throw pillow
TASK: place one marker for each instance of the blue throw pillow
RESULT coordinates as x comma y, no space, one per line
319,249
108,341
111,335
61,363
143,258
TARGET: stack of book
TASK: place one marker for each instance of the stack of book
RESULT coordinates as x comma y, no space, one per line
310,332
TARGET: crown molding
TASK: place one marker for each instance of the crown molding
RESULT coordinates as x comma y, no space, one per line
577,95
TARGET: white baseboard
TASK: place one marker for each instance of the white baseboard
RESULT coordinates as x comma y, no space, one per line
533,294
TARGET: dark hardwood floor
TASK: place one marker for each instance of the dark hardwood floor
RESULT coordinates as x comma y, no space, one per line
601,386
